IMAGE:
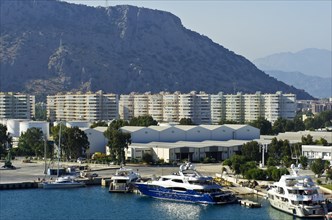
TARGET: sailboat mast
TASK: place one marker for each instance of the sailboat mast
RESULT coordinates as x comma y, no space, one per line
59,149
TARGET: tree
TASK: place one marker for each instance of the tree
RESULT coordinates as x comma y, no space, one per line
222,122
145,121
237,161
274,152
186,121
279,126
308,140
147,158
250,151
117,124
75,143
322,141
31,142
303,161
262,124
4,140
117,142
317,166
99,124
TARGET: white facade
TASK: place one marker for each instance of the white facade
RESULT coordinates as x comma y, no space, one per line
97,140
42,125
218,108
253,107
141,105
77,106
155,106
170,107
16,106
313,152
191,133
126,107
235,107
202,111
186,106
204,108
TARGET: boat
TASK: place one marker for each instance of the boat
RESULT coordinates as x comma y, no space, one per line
187,185
297,195
328,216
123,179
62,182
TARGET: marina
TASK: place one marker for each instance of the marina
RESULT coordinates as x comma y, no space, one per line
96,203
96,197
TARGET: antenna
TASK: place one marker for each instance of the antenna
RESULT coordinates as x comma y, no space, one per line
106,4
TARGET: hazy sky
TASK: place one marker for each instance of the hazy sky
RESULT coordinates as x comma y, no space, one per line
253,29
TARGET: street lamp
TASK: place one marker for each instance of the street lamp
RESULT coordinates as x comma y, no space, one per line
262,148
45,167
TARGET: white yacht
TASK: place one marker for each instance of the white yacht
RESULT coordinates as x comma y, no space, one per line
188,185
298,196
63,183
122,180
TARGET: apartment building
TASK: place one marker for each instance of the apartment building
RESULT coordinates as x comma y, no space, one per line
279,105
254,106
82,107
170,107
16,106
218,107
155,106
235,107
126,106
204,108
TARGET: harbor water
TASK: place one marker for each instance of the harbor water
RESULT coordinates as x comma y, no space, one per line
98,203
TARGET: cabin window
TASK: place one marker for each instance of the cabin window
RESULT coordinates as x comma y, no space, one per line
177,181
179,189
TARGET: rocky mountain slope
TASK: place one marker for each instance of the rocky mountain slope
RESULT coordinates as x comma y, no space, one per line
52,46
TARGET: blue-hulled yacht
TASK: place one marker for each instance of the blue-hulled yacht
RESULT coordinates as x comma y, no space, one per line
187,185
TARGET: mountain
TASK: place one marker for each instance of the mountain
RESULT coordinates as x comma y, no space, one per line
52,46
317,86
313,62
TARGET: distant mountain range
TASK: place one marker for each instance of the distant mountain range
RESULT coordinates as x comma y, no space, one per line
53,46
317,86
312,62
308,69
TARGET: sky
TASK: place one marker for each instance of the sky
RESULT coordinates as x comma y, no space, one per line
253,29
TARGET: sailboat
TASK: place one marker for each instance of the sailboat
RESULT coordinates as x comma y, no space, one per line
65,181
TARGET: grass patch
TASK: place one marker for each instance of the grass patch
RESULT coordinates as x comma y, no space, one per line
328,186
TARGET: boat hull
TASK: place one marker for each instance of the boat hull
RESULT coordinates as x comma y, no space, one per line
298,211
62,185
184,196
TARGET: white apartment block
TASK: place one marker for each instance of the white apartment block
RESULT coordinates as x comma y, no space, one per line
170,107
141,105
155,106
82,107
254,106
204,108
16,106
235,107
218,107
126,106
279,105
186,106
